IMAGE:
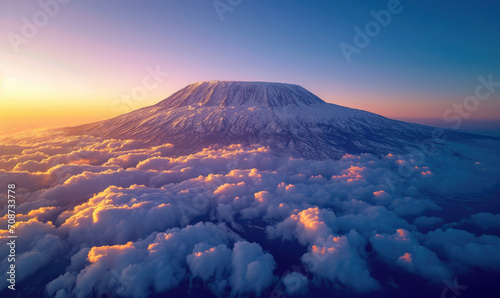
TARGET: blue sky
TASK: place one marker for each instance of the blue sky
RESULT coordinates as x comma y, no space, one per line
426,59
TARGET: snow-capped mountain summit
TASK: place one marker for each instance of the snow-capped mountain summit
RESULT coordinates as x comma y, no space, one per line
231,93
285,117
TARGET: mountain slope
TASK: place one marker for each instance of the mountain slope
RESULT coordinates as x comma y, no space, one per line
288,118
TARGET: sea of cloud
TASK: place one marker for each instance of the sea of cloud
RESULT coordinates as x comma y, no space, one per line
134,221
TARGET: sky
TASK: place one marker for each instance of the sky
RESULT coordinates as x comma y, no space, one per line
115,217
69,63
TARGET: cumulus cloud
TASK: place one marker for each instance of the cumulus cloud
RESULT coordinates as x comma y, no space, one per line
209,262
410,206
120,210
403,249
427,222
158,261
484,220
306,225
252,269
335,259
369,219
330,257
466,249
10,163
295,283
39,245
118,215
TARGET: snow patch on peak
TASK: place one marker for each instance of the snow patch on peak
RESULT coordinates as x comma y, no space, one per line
237,93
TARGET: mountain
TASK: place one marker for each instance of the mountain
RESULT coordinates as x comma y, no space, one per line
287,118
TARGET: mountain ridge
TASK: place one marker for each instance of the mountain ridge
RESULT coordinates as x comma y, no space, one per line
286,117
228,93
